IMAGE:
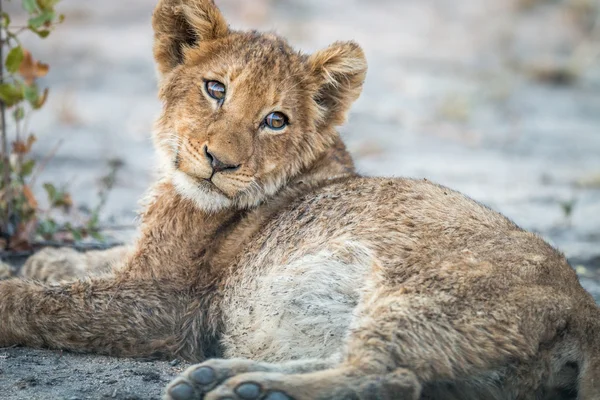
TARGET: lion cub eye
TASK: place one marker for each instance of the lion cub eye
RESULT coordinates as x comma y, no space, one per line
216,90
276,121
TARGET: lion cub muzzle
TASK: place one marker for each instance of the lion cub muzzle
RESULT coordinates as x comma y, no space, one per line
213,166
218,165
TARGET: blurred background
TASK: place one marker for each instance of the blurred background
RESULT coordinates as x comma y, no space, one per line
499,99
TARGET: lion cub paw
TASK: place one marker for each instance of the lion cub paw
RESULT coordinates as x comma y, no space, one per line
248,380
251,386
198,380
54,265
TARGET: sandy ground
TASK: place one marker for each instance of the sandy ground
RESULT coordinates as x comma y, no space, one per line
494,98
39,374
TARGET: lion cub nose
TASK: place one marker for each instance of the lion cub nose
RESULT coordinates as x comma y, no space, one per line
217,164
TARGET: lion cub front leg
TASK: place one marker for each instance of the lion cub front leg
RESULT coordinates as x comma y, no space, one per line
109,316
63,264
201,378
300,380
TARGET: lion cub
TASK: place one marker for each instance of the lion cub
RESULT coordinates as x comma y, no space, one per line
261,245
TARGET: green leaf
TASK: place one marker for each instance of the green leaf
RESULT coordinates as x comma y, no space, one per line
47,5
77,235
30,6
19,113
31,94
92,223
47,228
10,94
27,168
14,59
51,191
5,20
42,33
97,235
40,20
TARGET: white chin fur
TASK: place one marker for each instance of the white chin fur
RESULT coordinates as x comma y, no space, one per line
209,201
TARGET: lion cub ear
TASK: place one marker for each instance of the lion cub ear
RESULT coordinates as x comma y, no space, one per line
180,23
339,72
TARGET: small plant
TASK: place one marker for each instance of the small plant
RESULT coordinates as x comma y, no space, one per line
568,206
22,220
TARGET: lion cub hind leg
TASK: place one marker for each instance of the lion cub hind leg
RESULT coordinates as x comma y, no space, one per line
63,264
405,343
472,333
589,379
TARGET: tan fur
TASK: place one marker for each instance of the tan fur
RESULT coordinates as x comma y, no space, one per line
54,265
6,270
315,282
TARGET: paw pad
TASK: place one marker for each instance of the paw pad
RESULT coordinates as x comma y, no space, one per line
203,375
182,391
277,396
248,391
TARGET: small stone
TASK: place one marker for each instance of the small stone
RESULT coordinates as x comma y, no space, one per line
175,362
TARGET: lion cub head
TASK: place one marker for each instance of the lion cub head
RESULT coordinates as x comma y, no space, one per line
243,112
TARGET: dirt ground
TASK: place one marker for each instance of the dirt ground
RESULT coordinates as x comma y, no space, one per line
498,99
48,375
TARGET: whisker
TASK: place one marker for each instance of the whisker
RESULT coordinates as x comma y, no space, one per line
174,141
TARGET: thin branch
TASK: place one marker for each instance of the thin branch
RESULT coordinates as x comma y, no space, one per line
5,157
44,162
